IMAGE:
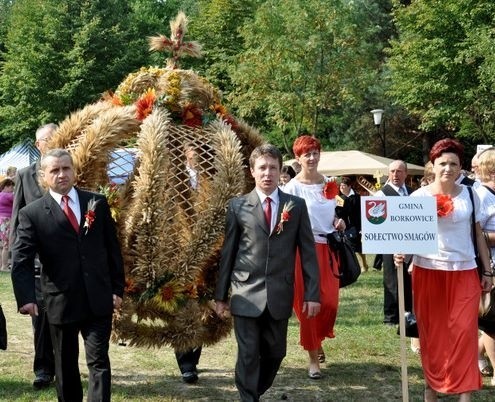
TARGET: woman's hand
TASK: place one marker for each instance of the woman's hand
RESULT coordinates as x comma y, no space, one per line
398,259
486,283
339,224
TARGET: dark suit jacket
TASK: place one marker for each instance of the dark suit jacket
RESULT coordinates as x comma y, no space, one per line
260,266
26,190
81,270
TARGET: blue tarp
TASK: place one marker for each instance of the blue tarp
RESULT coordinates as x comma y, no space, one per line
20,156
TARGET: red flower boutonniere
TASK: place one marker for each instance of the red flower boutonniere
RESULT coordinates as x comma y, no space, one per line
90,215
330,190
284,216
445,204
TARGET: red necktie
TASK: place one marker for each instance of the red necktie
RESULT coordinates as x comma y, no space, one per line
268,212
69,213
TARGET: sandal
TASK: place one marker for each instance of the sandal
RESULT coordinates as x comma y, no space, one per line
321,355
314,375
484,366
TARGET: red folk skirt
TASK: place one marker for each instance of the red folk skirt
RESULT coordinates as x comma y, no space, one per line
313,330
446,307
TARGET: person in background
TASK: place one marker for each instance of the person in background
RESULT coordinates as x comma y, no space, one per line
27,189
485,171
263,230
397,174
188,360
312,186
446,285
6,202
475,166
349,209
11,172
296,166
82,277
286,175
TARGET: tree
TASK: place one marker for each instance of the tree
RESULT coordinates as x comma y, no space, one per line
442,65
62,54
216,26
303,60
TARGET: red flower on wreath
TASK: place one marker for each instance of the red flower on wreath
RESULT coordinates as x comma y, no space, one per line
445,205
144,105
192,116
330,190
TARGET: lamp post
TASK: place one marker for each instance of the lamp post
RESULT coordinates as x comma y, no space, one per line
377,118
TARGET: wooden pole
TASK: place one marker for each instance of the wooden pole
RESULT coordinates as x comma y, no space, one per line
402,331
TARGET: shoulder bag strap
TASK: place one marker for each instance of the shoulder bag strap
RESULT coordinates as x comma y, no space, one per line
473,232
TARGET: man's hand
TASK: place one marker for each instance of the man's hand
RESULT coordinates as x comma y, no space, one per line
311,309
30,308
222,309
117,302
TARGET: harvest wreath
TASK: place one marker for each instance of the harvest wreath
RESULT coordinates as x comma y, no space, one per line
170,233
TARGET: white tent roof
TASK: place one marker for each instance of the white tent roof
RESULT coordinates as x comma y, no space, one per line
341,163
20,156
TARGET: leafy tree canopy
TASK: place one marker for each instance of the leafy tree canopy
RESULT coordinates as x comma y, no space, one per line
442,65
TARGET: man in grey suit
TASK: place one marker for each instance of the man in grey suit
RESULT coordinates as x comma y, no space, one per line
257,262
27,190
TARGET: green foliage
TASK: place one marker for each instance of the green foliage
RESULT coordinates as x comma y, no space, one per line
442,65
63,54
303,60
216,27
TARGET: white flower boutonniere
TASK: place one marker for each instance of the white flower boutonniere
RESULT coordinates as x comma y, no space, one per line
285,215
90,215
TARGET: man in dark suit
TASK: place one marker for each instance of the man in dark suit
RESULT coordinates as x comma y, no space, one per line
397,174
257,261
26,190
82,278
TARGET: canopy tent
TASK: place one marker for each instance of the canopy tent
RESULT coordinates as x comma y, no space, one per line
21,155
342,163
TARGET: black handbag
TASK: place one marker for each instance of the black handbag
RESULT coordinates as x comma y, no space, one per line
411,325
348,269
3,330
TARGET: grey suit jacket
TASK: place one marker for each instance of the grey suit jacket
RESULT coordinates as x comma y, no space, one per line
259,266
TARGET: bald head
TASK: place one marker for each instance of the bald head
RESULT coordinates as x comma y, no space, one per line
397,173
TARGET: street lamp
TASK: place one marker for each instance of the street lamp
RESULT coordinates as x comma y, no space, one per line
377,118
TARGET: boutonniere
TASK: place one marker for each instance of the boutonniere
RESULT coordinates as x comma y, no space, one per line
90,215
330,190
285,215
445,205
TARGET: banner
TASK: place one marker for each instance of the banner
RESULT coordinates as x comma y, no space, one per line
405,225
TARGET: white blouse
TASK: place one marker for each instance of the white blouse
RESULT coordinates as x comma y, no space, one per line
321,210
455,244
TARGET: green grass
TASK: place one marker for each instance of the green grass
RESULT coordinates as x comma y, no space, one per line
363,361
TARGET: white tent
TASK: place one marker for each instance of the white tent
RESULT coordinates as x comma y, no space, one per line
21,155
341,163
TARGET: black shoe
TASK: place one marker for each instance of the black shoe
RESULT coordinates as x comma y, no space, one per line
42,381
190,377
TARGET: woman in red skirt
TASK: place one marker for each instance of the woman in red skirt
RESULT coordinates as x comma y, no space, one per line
446,286
319,193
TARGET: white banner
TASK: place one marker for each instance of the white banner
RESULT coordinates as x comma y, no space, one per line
405,225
